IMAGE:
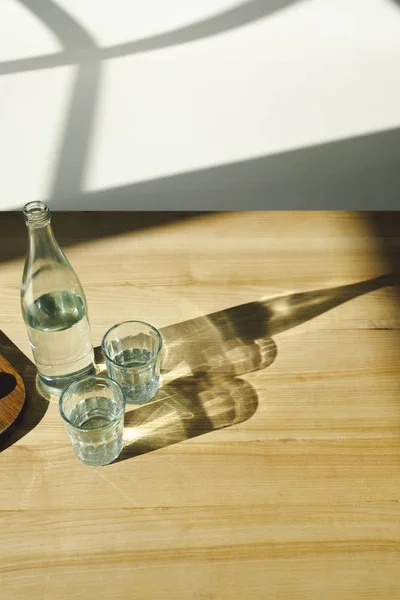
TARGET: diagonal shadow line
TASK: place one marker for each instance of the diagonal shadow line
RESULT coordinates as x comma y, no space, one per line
70,168
70,32
357,173
46,61
236,17
69,172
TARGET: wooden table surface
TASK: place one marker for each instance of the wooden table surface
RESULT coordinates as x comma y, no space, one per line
269,465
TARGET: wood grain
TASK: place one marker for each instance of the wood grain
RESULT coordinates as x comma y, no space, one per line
12,394
269,464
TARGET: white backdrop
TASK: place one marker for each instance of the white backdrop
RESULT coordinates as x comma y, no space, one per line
213,104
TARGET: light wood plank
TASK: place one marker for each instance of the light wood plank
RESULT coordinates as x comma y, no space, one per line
292,488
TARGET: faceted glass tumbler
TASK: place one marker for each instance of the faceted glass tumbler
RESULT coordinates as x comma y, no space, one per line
93,410
132,353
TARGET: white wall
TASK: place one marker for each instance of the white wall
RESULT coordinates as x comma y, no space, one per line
213,104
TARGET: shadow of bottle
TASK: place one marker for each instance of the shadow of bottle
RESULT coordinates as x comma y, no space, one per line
204,357
202,362
238,340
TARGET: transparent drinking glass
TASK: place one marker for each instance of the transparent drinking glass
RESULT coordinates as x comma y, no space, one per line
93,410
132,353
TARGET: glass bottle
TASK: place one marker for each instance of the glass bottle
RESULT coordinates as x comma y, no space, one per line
54,307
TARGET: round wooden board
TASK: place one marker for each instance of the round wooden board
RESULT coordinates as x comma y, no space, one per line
12,394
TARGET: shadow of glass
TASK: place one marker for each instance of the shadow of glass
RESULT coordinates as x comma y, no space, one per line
202,362
186,408
35,406
204,357
198,395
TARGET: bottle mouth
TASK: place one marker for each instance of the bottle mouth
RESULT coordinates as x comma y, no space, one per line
36,212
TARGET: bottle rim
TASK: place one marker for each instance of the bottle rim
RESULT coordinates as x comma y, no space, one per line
36,212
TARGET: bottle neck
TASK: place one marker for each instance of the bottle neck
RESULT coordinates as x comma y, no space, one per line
36,214
41,237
